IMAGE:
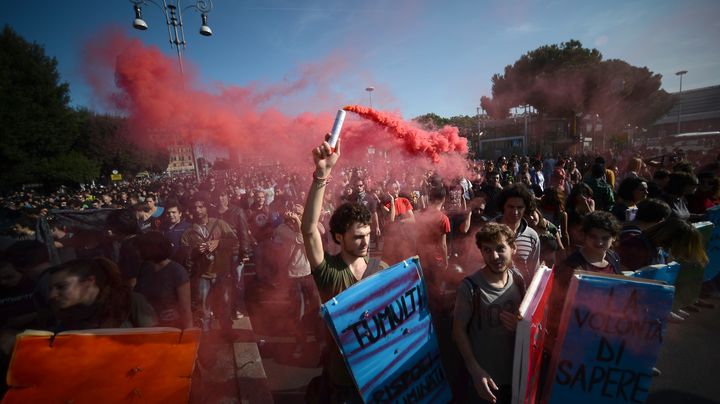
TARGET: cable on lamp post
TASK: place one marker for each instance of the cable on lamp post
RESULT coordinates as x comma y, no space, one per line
172,11
370,89
681,73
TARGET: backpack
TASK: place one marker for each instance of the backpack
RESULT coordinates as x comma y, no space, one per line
614,259
517,280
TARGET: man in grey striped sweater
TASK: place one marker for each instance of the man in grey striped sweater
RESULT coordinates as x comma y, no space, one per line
514,201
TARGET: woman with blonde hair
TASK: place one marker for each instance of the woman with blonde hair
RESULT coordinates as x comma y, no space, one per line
675,237
681,240
634,168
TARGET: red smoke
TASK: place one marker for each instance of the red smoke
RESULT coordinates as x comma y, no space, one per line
164,106
415,140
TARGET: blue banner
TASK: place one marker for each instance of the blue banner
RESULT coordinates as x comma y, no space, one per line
384,330
713,244
667,273
609,338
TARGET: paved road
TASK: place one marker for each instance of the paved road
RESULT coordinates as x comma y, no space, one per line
689,361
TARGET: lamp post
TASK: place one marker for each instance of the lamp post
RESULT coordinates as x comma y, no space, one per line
681,73
172,11
481,118
370,89
525,133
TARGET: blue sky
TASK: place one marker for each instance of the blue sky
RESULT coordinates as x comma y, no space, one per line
421,56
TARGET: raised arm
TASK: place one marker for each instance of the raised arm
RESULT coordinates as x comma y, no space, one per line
324,159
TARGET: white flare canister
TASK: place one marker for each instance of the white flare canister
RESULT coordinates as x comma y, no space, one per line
337,126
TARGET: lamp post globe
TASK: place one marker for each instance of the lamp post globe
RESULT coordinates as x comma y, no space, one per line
204,28
370,89
139,23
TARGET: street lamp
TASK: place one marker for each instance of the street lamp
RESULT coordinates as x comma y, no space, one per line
370,90
174,20
139,23
681,73
172,12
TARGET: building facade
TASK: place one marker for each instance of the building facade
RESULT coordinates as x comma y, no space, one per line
181,159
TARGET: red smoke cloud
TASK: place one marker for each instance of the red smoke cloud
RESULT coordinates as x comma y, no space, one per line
415,140
164,106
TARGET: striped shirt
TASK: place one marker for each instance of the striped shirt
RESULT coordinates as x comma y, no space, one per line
527,254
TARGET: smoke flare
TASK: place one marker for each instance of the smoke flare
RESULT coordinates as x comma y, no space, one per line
163,106
415,140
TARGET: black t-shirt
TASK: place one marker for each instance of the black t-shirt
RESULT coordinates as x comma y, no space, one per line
129,258
366,199
160,289
17,301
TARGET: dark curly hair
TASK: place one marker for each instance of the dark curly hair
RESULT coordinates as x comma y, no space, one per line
494,232
154,246
652,210
678,181
347,214
628,186
602,220
517,190
436,194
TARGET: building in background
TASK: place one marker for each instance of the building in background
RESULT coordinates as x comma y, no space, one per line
181,159
697,116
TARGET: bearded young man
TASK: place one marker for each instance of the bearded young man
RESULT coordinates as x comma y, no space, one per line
485,317
350,228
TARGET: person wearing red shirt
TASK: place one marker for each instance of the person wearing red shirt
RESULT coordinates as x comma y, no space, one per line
432,228
403,210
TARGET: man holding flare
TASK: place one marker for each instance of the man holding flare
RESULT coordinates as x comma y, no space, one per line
350,228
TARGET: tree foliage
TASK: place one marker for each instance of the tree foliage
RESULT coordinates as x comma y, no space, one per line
566,80
104,140
465,124
42,139
36,123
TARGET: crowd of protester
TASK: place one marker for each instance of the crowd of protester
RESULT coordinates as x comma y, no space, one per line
171,252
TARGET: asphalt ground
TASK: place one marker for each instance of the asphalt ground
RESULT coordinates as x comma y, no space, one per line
689,360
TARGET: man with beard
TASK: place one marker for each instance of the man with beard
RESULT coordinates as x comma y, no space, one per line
211,242
235,217
350,228
364,197
486,317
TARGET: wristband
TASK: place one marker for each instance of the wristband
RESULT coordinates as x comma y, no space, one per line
321,182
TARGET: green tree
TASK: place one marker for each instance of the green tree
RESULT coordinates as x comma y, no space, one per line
466,124
431,121
568,80
37,127
104,140
72,167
